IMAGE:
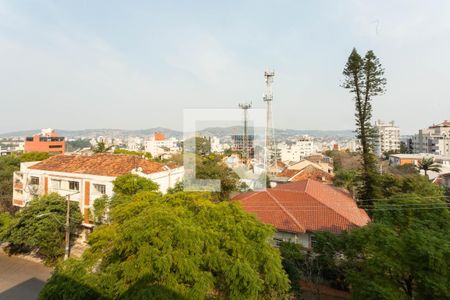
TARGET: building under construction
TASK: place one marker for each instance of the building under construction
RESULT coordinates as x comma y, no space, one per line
244,144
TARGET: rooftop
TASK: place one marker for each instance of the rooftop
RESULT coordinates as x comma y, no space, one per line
304,206
101,164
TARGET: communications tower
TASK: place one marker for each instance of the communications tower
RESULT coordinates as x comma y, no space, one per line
270,135
245,107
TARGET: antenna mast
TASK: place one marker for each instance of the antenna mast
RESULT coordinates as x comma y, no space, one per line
270,139
245,107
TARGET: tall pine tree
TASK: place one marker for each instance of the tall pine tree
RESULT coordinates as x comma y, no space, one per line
364,78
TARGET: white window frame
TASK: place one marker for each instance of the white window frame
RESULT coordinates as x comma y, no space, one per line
100,188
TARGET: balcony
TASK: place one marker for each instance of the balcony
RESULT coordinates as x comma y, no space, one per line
18,185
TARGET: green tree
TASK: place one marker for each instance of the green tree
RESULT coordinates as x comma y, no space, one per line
101,148
363,77
8,165
292,259
40,227
212,167
145,155
428,164
180,245
34,156
130,184
197,145
346,179
5,220
101,207
403,254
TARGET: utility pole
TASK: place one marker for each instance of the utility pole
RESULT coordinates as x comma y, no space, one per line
245,108
67,246
67,227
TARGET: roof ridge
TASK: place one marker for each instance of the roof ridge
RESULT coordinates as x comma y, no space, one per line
296,174
286,211
249,196
332,208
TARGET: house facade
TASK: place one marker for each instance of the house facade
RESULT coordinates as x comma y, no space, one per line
86,178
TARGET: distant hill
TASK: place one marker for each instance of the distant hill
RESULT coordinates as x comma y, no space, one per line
211,131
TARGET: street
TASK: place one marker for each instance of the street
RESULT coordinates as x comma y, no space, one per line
21,279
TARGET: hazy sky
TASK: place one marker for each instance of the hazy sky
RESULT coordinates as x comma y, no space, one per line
137,64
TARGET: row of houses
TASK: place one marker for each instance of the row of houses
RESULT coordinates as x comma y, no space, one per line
302,201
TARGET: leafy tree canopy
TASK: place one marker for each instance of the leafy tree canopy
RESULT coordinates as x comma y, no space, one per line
146,155
403,254
40,227
34,156
213,167
130,184
180,245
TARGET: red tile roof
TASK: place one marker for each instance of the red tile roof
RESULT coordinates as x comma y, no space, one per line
100,164
309,172
304,206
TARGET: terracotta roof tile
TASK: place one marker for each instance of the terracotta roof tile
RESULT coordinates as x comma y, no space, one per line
100,164
304,206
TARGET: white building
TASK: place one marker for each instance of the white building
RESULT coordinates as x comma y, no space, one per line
135,144
297,150
434,139
158,145
216,146
388,138
86,177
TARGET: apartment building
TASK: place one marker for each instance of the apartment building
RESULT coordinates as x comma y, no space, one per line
297,150
434,140
159,145
388,138
47,141
86,178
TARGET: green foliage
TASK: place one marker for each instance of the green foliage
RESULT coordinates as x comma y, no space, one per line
40,227
179,187
77,144
406,169
213,167
145,155
101,206
34,156
5,220
8,165
427,164
363,77
130,184
403,254
346,179
197,145
293,260
101,148
175,246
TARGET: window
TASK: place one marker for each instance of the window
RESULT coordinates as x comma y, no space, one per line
34,180
74,185
55,184
101,188
55,146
